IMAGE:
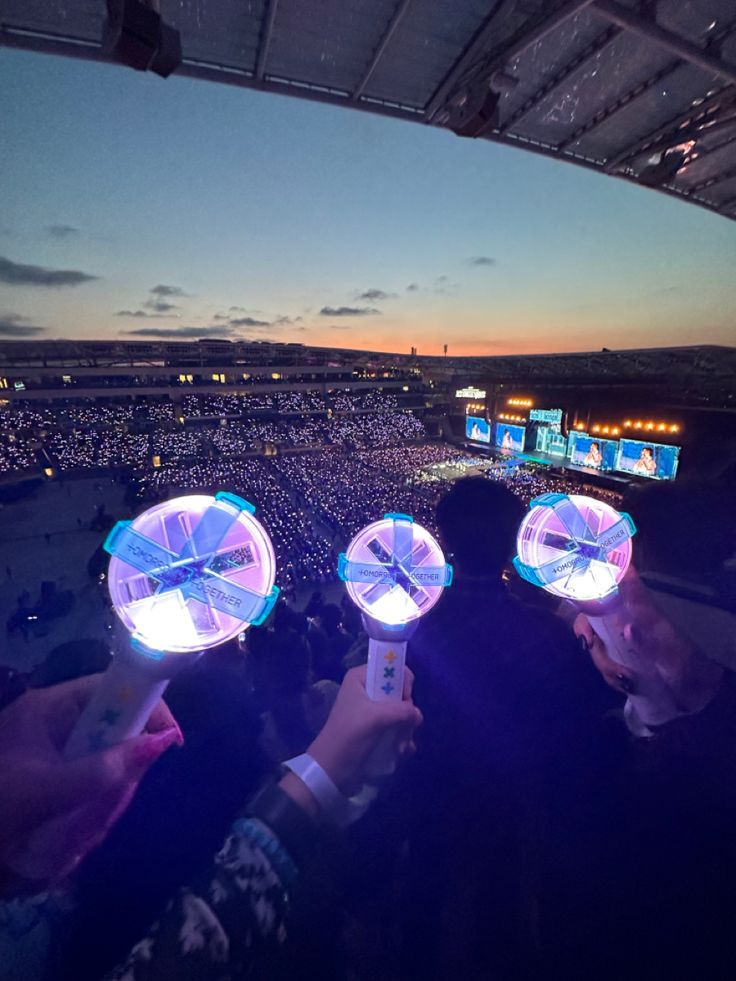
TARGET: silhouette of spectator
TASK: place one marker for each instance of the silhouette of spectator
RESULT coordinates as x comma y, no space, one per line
506,775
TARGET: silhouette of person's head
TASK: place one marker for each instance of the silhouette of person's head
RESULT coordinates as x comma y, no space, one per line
478,520
684,530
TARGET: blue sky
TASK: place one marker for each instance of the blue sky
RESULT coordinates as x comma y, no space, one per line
203,209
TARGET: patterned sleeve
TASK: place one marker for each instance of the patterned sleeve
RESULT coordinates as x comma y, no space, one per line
236,918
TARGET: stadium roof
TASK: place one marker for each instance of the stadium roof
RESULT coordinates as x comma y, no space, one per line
643,90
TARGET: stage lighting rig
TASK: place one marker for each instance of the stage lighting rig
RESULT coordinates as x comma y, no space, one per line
135,35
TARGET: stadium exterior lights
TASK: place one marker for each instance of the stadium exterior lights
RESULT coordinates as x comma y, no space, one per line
650,425
605,429
615,431
661,427
596,429
627,422
638,424
674,429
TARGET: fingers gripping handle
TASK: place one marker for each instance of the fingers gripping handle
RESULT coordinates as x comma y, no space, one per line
118,710
652,701
385,682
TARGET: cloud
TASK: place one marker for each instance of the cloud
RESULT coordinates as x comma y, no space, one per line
282,321
481,260
160,306
162,290
441,279
412,287
141,314
249,322
374,295
62,231
339,326
184,333
348,312
19,274
13,325
237,310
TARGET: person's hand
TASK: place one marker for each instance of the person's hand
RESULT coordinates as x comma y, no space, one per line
355,726
54,811
691,677
618,677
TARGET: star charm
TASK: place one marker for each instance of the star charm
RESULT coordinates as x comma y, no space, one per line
389,672
390,657
388,687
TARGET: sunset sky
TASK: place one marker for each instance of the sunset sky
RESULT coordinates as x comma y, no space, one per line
134,207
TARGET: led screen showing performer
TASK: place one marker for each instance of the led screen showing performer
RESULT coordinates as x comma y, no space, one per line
477,429
643,459
590,451
509,437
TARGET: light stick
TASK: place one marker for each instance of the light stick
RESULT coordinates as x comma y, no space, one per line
395,572
184,576
579,549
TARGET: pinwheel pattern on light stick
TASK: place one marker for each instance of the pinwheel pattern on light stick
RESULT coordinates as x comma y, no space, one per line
394,570
184,576
212,551
574,546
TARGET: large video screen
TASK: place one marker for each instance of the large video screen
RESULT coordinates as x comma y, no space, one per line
648,459
508,437
589,451
477,429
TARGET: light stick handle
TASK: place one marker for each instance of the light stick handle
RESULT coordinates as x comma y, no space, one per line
385,678
385,682
118,710
652,702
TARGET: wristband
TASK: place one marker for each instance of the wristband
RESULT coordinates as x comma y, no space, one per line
289,823
333,804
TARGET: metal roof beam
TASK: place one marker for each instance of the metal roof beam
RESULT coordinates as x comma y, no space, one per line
725,175
396,17
678,45
694,115
729,205
607,112
597,45
478,51
603,115
269,17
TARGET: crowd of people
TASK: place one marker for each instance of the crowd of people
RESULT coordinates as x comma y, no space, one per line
84,434
307,401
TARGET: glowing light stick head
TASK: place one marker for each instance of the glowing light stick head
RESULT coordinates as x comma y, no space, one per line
191,573
394,570
573,546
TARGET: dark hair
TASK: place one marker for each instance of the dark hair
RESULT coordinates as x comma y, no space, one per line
685,529
478,520
594,444
650,450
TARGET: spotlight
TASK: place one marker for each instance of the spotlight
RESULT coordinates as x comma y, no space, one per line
473,112
665,169
135,35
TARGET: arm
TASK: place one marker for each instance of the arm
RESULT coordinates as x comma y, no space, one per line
238,912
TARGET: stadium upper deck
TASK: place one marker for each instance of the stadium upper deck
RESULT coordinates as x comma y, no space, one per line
57,369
